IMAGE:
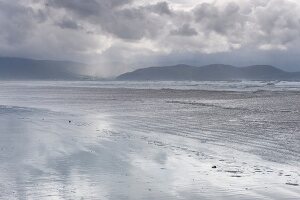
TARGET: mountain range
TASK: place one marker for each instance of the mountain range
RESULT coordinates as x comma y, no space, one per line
22,69
29,69
216,72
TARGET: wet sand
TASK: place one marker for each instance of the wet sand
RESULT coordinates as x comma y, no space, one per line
83,143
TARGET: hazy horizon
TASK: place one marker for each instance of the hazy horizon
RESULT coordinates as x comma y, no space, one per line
12,68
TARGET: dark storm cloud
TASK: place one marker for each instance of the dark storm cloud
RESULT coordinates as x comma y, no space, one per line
118,34
113,17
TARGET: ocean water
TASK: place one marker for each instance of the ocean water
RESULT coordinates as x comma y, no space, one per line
145,140
180,85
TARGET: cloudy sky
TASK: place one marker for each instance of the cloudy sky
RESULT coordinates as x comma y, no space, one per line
120,35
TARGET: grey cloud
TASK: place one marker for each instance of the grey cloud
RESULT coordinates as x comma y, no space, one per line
126,23
15,21
223,20
82,8
130,30
160,8
69,23
134,24
184,30
269,24
278,23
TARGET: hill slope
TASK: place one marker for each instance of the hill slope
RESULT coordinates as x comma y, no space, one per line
20,68
209,73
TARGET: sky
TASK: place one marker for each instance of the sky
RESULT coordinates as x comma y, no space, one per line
116,36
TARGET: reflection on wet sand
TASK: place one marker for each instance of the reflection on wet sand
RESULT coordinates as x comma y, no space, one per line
82,142
44,156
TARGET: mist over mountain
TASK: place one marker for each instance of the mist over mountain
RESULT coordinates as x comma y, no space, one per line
23,69
209,73
29,69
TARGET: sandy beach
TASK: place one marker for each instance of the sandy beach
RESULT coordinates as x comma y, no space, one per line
83,141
